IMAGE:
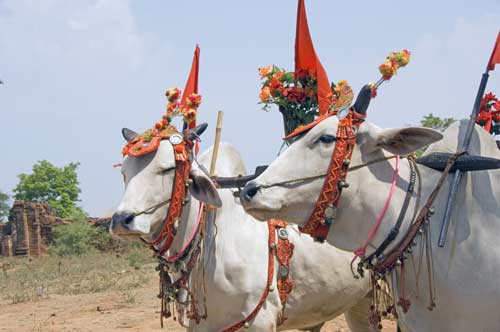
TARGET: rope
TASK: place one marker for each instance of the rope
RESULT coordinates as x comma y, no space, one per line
314,177
361,251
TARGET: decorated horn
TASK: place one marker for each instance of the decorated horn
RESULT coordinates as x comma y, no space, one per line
128,134
196,132
363,99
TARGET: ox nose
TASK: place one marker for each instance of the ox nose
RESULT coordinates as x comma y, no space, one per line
249,191
123,218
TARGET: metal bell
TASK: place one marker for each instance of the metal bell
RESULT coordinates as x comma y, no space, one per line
271,288
330,211
432,210
246,325
343,184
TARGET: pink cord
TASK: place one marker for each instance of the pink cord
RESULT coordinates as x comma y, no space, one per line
175,257
361,251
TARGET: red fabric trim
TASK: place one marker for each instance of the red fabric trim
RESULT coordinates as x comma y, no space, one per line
330,194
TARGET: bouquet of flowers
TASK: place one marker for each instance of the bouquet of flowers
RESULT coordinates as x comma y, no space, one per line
295,94
489,114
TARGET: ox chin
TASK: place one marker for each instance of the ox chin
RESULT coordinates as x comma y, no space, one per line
118,231
262,213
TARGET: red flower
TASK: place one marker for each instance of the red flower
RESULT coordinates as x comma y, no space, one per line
274,84
173,94
193,100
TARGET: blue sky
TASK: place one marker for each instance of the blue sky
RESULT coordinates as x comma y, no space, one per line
76,72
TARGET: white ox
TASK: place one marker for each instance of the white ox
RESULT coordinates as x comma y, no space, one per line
467,269
236,252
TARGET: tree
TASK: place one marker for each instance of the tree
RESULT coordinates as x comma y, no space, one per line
435,122
57,186
4,206
74,239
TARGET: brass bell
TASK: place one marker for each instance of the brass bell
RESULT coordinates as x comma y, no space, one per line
246,325
271,288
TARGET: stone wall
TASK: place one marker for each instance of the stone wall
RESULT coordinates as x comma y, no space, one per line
28,230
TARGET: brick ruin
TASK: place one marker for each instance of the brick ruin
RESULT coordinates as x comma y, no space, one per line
28,230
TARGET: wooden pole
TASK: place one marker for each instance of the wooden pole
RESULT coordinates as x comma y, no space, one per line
215,149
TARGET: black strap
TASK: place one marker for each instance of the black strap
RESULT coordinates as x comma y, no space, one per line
395,230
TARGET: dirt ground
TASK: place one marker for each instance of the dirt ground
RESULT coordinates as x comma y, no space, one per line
104,312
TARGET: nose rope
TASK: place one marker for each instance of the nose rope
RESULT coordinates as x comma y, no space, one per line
153,208
314,177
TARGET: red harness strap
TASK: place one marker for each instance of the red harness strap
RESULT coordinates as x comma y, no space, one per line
284,252
319,224
182,169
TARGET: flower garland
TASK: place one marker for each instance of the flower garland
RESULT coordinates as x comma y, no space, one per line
393,62
174,107
295,93
489,114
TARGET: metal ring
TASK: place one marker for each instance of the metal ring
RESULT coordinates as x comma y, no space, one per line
283,233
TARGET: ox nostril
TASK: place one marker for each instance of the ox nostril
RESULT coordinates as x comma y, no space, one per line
250,190
122,218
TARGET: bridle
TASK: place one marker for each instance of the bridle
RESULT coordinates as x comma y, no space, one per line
324,212
177,200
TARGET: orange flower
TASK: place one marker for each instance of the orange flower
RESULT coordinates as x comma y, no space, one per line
274,85
263,72
278,75
265,94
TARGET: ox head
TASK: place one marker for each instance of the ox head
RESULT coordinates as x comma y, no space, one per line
275,194
149,182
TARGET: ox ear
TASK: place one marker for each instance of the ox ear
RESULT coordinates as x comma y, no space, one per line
203,188
128,134
403,141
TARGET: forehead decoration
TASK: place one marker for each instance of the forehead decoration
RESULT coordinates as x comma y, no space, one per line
150,140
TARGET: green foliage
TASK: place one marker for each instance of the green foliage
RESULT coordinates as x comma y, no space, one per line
435,122
57,186
75,239
4,206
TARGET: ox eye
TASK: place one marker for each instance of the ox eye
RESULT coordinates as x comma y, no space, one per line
326,139
164,171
